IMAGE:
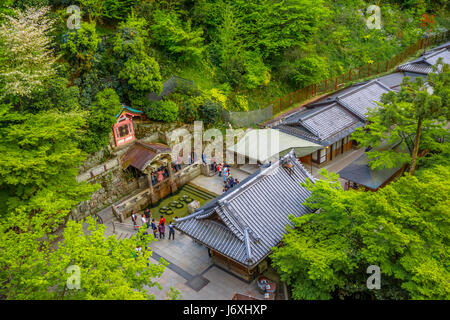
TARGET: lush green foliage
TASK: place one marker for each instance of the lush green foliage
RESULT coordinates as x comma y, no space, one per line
403,228
136,67
27,61
109,269
79,46
42,130
175,38
409,116
164,110
100,120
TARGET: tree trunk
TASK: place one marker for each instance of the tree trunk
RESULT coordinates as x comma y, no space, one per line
416,147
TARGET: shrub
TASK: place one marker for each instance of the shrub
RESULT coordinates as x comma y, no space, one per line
165,111
210,112
188,112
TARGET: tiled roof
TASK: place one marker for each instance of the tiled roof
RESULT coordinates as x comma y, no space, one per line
250,218
124,107
323,125
328,121
140,154
360,100
360,172
423,65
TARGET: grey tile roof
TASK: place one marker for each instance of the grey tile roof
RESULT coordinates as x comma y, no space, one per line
423,65
328,121
392,80
247,221
360,100
360,172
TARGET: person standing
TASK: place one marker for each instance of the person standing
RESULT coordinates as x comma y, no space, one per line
148,216
162,230
133,218
231,181
162,221
225,186
171,231
154,228
225,174
144,221
160,175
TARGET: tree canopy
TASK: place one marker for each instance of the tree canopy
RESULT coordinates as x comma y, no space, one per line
419,110
403,229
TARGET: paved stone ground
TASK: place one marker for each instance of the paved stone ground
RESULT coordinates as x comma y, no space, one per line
189,260
215,183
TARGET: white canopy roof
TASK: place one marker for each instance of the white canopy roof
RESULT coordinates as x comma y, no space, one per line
270,144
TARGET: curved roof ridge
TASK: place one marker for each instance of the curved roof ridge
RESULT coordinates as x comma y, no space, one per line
248,249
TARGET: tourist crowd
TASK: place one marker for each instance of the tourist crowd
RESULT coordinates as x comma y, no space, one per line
148,221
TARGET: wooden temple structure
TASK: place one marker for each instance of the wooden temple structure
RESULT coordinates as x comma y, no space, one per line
123,128
241,226
152,160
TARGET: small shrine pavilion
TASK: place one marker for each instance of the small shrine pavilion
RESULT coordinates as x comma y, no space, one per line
123,128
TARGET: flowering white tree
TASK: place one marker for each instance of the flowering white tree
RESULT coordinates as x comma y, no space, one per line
26,57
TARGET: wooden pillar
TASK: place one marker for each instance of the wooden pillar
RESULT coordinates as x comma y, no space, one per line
153,198
173,184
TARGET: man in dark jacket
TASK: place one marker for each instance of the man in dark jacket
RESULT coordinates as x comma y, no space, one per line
171,231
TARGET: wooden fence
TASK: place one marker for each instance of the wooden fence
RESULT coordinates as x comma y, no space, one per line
333,84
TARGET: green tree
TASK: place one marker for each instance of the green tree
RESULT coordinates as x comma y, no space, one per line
164,110
31,268
403,228
40,158
94,9
135,66
210,112
101,118
118,9
177,39
417,110
238,66
26,58
79,47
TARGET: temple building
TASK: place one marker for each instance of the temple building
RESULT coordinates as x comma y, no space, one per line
152,160
330,121
359,174
241,226
123,128
263,145
423,65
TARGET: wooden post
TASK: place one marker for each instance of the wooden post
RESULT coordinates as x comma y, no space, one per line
359,73
378,67
350,75
368,70
335,83
387,65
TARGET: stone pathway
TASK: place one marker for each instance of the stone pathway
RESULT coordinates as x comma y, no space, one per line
193,274
214,183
